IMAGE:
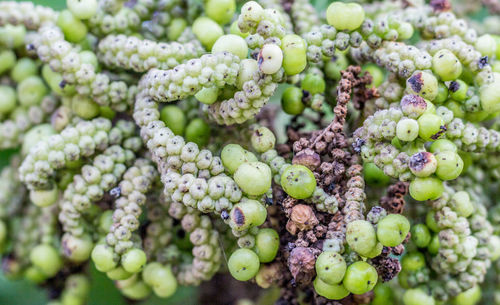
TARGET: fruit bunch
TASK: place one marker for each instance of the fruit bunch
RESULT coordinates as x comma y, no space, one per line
350,157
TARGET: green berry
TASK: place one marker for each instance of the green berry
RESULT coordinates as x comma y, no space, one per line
235,29
446,65
298,181
469,297
8,101
335,65
263,139
331,292
243,264
458,90
137,291
47,259
434,245
36,134
74,29
422,164
461,204
82,9
233,155
420,235
175,29
345,16
198,131
392,230
12,36
267,243
207,95
103,258
407,130
413,261
291,101
313,83
330,267
254,178
220,10
383,295
7,60
417,297
442,145
44,198
449,165
207,31
489,94
486,45
231,43
430,126
35,275
133,260
294,54
361,237
424,84
428,188
24,68
174,118
31,91
360,277
247,214
85,107
442,94
374,175
118,274
77,249
376,72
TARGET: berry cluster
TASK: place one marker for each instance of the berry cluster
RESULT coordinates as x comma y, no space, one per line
349,157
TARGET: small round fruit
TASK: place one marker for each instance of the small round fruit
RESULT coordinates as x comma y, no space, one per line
331,292
298,181
254,178
392,230
330,267
428,188
243,264
361,236
360,277
267,243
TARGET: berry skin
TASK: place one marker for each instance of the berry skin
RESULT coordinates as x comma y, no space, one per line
233,155
133,260
392,230
291,101
420,235
198,131
298,181
247,214
267,243
82,9
263,139
417,297
428,188
424,84
413,261
294,54
313,83
231,43
270,59
174,118
407,130
423,164
430,126
361,237
446,65
8,102
331,292
254,178
243,264
360,277
345,16
330,267
449,165
47,259
374,175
